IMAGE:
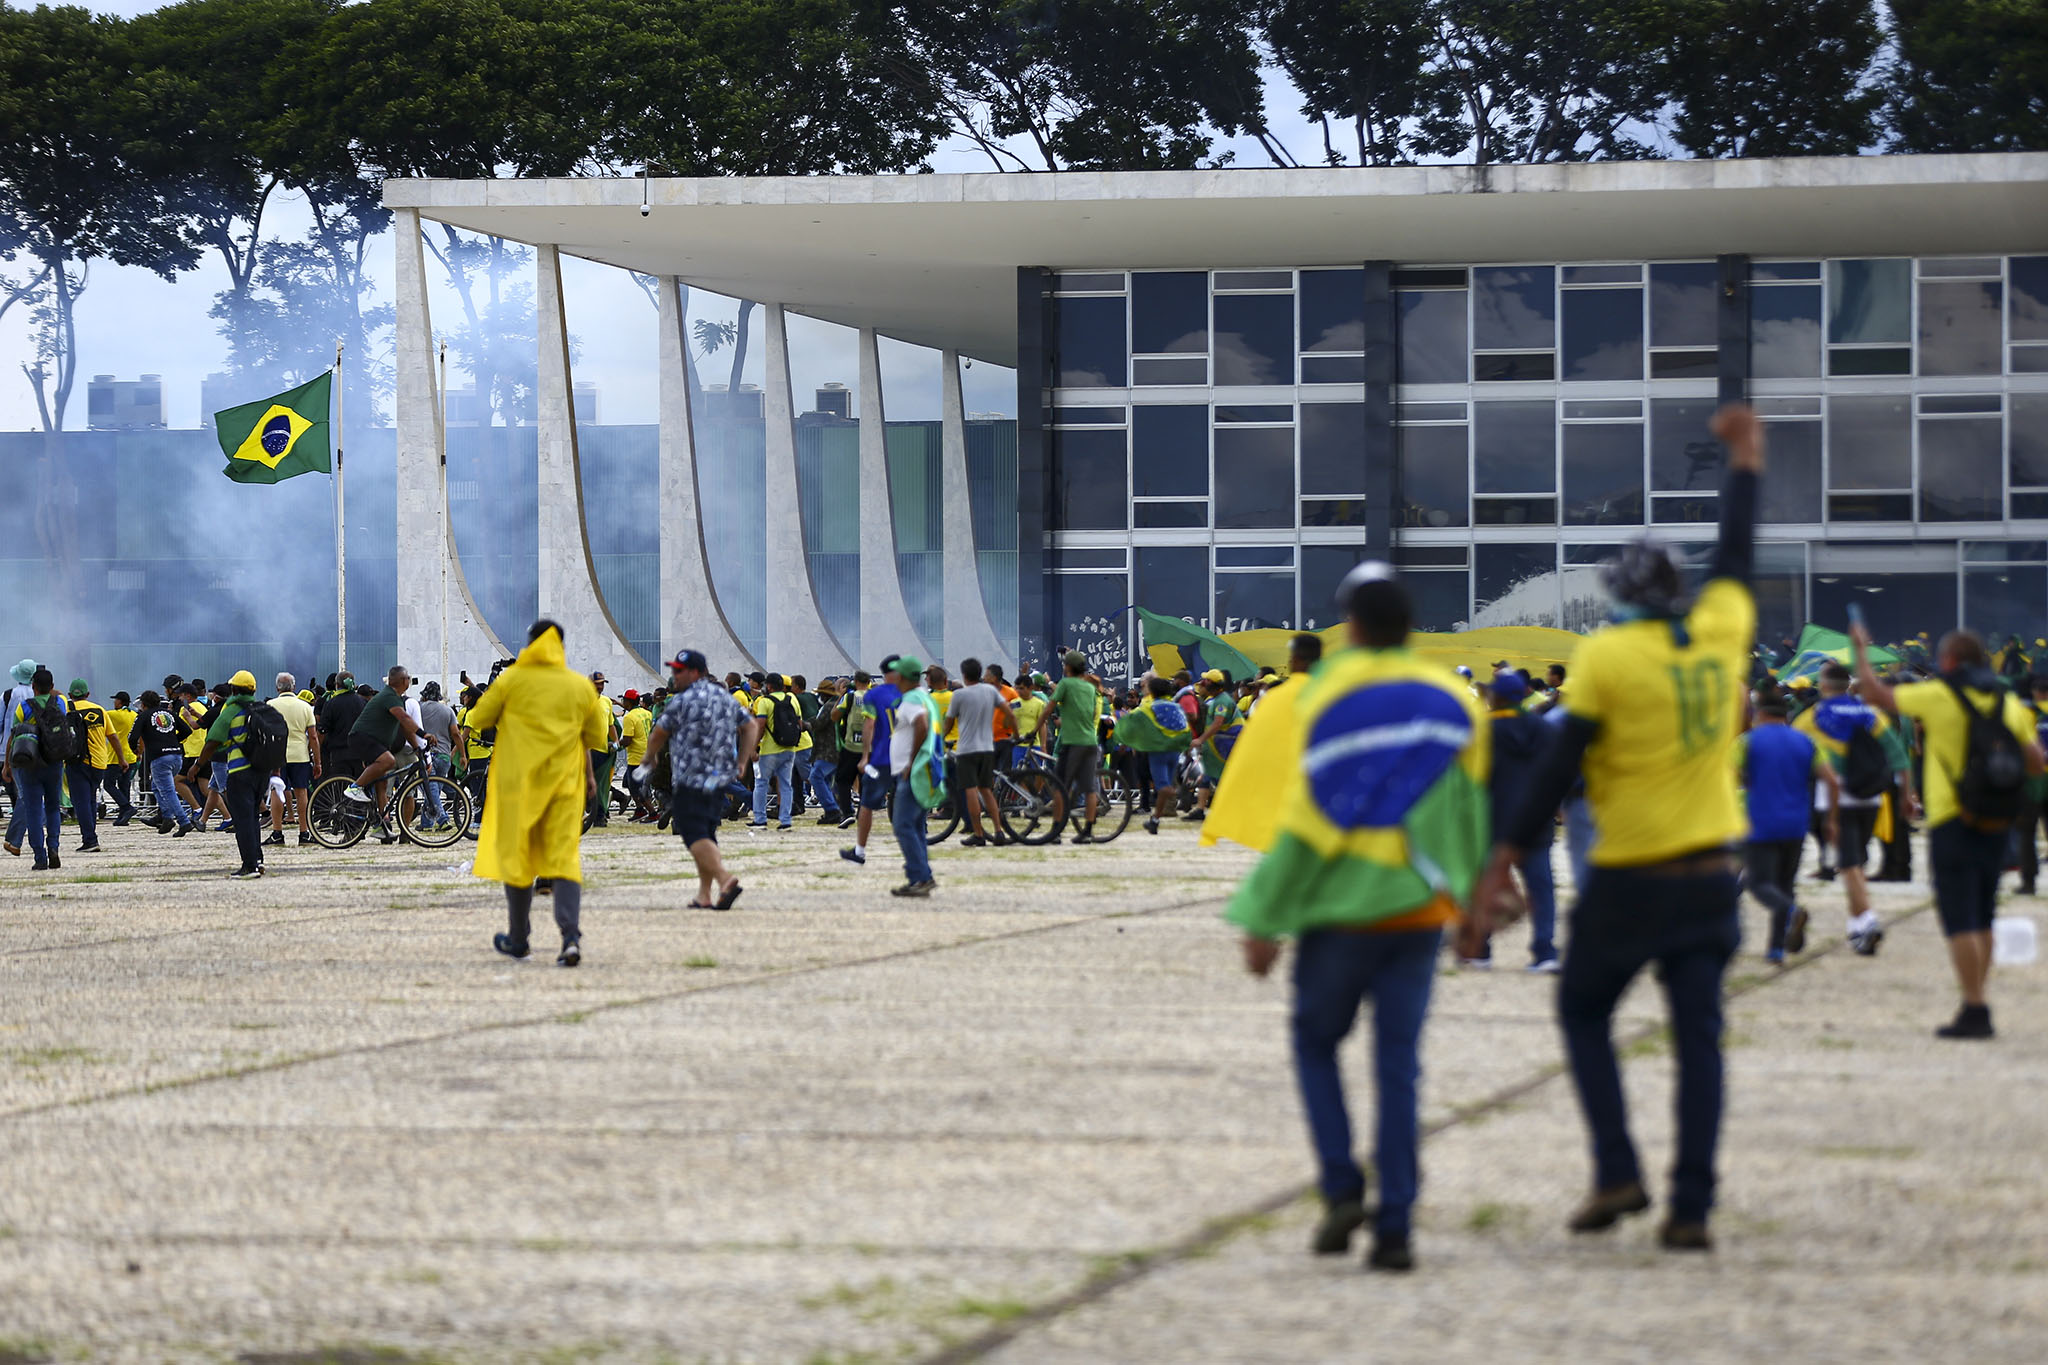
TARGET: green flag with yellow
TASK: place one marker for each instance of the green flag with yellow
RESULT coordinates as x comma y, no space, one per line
273,439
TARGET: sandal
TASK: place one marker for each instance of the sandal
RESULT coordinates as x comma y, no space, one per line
699,905
732,894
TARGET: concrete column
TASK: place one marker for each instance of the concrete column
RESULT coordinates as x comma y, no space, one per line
426,541
798,639
885,626
968,632
690,615
568,578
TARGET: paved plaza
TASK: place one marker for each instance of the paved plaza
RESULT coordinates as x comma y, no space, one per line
1041,1117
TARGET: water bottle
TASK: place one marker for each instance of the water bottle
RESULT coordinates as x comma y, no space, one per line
2013,941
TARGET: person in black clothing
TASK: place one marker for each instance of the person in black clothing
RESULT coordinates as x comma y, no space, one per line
339,711
159,739
1519,742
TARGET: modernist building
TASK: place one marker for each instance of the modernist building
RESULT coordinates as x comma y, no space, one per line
1231,385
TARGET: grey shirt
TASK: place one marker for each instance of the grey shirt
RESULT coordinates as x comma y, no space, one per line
437,718
974,708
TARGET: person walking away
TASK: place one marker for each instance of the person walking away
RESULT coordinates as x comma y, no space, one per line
784,742
22,688
160,737
710,737
234,739
1779,766
1383,829
1980,750
917,765
541,776
338,716
1655,706
301,762
601,755
121,778
1868,757
383,731
634,727
1157,731
1519,740
437,723
877,780
98,752
824,755
191,780
217,772
851,724
40,742
1070,713
971,713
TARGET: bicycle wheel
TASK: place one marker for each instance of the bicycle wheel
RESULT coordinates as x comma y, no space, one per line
338,821
1114,805
416,812
1030,805
944,818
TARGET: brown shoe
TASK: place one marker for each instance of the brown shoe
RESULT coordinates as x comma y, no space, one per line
1604,1208
1677,1236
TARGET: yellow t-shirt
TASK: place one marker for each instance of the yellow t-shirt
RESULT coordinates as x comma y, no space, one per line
601,708
100,741
1659,775
636,725
298,719
477,747
194,714
1030,711
944,700
765,709
123,721
1945,737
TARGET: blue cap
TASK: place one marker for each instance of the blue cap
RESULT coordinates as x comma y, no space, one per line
1507,685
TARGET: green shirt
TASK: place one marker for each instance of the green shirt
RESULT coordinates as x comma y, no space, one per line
230,731
377,721
1077,701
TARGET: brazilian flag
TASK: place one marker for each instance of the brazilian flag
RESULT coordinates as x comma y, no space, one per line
273,439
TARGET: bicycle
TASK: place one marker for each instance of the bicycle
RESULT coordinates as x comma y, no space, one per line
341,820
1120,799
1030,807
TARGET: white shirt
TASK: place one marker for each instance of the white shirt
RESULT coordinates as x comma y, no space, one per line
903,730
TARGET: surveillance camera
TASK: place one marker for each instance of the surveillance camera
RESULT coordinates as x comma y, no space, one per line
644,210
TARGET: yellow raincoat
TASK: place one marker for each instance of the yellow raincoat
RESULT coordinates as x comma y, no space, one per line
1248,801
533,808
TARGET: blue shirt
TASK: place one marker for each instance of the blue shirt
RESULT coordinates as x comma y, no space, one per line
880,701
703,723
1777,767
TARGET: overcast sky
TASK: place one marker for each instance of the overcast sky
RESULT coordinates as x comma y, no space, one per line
131,323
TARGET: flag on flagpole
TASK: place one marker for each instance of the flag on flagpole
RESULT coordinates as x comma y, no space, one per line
273,439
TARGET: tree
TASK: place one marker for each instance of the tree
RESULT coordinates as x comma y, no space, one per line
1366,63
1758,78
1971,75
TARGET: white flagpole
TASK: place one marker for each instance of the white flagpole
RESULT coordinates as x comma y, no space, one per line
447,521
340,518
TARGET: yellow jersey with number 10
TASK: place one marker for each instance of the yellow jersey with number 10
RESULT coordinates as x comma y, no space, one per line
1659,775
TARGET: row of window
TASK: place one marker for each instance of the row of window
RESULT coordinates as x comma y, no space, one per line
1534,323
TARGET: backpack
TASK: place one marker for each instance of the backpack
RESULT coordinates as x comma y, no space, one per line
265,738
1866,772
57,738
785,722
1993,782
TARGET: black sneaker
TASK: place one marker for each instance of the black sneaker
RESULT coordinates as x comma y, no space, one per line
55,861
1604,1208
1390,1251
41,865
1677,1236
1152,824
245,874
123,820
1795,932
828,820
974,841
504,944
572,953
914,890
92,847
1972,1021
305,838
1340,1220
183,830
276,839
848,823
1086,836
854,855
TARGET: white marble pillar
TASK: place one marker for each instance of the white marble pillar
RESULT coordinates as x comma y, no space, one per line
968,632
426,541
798,639
568,578
690,615
885,626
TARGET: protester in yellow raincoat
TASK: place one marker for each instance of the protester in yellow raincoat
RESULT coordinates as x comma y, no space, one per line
540,777
1248,800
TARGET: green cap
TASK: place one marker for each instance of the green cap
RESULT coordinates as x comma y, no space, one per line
1076,659
79,688
909,665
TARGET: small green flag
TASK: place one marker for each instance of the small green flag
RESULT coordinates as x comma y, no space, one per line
272,439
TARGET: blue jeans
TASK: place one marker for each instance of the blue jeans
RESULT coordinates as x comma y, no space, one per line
1689,927
776,768
163,775
40,805
1542,884
1578,839
438,764
907,818
1334,971
116,781
822,772
84,786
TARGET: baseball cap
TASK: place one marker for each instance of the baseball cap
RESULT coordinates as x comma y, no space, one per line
79,688
630,694
909,665
1039,679
242,679
757,676
1507,685
1464,672
1214,675
691,659
1075,659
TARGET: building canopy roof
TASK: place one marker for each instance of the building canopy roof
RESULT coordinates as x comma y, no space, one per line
932,259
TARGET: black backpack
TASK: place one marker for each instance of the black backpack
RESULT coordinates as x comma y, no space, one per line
264,741
1992,785
1866,772
785,722
56,737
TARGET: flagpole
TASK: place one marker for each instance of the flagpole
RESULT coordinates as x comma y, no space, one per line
340,518
447,521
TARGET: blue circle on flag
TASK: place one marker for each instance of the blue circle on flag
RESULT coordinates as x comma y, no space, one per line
1373,753
277,435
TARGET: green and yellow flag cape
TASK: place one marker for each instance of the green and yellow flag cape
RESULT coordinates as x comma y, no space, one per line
273,439
1385,805
1157,727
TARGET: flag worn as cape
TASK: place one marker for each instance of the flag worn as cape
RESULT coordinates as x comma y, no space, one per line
1246,807
273,439
1386,808
1158,727
927,771
1202,649
533,806
1818,645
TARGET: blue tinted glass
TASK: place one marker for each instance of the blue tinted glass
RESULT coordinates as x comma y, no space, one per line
1440,600
1088,343
1091,616
1254,476
1432,336
1254,601
1322,568
1332,310
1603,475
1088,480
1255,556
1172,580
1514,447
1254,339
1170,451
1870,441
1683,457
1170,312
1514,308
1333,447
1792,492
2029,298
2029,438
1433,483
1169,515
1959,324
1960,469
1515,585
1784,332
1870,302
1682,304
1603,334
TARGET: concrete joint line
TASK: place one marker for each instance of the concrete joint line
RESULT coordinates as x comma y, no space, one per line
1213,1234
